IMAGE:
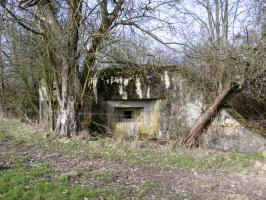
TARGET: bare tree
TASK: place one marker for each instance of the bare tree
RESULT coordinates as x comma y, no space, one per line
74,32
230,63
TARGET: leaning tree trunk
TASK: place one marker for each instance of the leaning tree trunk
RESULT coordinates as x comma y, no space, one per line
193,137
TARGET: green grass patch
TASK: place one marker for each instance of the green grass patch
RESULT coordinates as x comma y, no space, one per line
100,176
37,183
4,134
161,158
145,188
11,130
148,185
111,150
19,181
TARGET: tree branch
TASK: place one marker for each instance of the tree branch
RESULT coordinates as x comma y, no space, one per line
19,21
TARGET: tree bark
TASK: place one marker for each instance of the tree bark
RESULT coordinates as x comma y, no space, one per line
2,77
67,124
2,92
193,137
67,121
68,117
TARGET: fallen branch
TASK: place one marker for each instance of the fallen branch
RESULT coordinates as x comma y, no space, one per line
193,137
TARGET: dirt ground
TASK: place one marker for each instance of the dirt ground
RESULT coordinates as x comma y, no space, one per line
164,183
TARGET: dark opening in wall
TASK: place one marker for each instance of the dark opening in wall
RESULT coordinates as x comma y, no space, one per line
128,114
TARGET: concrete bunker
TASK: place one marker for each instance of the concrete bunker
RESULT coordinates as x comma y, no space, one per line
133,118
159,103
229,131
148,102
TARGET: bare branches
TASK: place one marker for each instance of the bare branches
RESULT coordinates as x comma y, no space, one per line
20,21
29,3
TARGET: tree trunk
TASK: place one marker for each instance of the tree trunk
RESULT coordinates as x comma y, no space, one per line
67,118
51,115
67,121
202,122
2,92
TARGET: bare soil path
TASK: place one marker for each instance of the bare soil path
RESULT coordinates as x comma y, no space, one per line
151,182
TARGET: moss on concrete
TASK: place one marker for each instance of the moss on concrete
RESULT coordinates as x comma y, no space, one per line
131,71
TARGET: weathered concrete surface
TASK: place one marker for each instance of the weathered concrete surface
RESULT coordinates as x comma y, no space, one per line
183,104
227,132
135,87
170,101
166,103
145,121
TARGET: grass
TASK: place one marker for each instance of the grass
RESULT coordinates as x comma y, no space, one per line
148,185
100,176
121,151
18,180
24,182
134,155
